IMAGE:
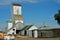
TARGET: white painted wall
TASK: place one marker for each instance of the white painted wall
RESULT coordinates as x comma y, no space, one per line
33,27
17,11
11,31
30,33
15,8
15,30
35,34
10,25
18,21
21,21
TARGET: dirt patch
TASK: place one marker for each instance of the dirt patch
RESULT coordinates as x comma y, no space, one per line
37,38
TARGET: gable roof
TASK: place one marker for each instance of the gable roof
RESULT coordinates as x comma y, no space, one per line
27,27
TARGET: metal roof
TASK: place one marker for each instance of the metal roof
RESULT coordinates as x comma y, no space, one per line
27,27
10,20
48,27
19,26
16,4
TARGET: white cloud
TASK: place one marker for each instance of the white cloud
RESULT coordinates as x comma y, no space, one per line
58,1
31,1
4,2
7,2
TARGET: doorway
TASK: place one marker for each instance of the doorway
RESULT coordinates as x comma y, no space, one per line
25,33
32,33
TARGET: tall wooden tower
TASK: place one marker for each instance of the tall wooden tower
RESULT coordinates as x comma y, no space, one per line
16,19
17,15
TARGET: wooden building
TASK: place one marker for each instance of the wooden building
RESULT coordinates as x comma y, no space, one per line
15,23
28,30
46,32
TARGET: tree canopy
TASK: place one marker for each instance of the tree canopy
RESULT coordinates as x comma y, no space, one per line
57,17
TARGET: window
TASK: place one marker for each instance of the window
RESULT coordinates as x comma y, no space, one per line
13,29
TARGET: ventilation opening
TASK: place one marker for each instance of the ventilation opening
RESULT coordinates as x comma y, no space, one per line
13,29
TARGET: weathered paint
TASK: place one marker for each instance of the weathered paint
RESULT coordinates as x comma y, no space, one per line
45,33
10,29
16,10
16,21
22,32
10,24
35,34
33,27
16,17
30,33
17,13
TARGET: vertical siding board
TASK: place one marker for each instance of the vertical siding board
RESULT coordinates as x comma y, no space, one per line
45,33
30,33
35,33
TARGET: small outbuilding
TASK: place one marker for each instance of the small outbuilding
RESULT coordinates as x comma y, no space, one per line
28,30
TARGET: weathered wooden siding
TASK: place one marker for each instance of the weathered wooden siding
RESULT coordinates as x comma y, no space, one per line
56,32
45,33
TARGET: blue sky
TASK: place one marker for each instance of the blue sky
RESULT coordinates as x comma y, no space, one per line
33,11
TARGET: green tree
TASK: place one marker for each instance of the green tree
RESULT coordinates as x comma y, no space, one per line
57,17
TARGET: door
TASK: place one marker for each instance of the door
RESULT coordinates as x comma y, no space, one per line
25,33
32,33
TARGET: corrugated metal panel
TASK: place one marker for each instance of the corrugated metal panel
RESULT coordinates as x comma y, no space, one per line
48,27
19,26
30,33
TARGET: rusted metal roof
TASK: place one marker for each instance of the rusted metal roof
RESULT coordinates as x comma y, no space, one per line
16,4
